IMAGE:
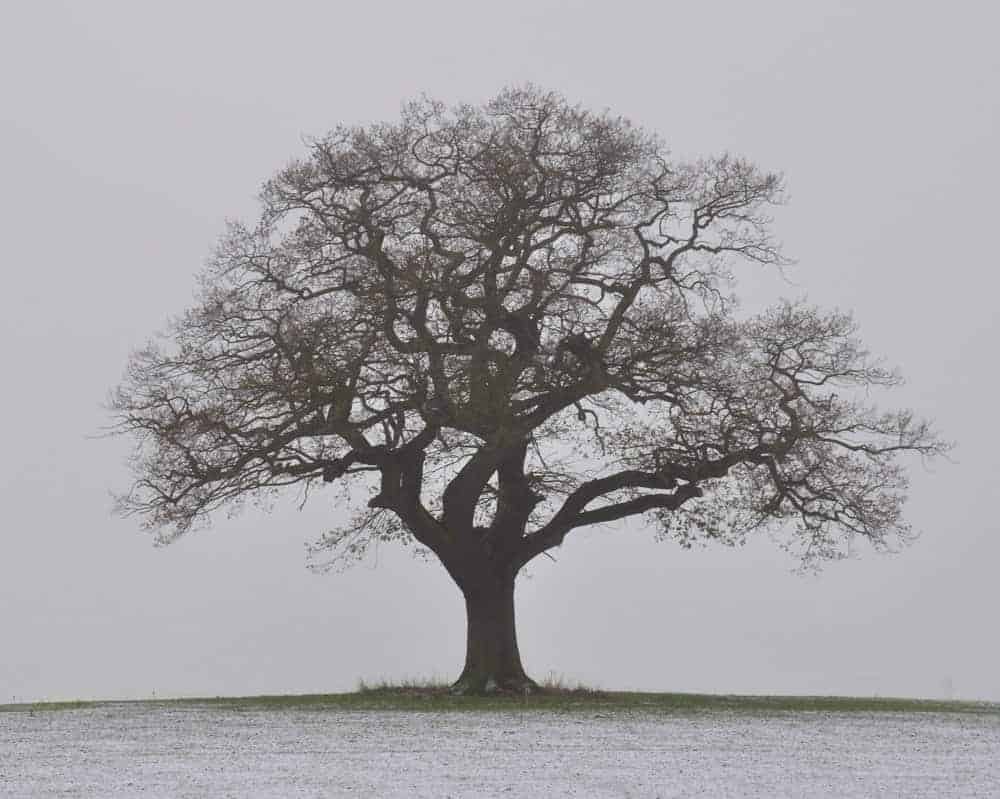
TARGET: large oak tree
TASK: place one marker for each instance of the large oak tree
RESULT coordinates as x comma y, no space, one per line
496,325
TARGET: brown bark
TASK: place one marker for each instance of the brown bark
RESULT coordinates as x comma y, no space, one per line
492,659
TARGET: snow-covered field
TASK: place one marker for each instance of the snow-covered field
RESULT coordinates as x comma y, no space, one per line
210,751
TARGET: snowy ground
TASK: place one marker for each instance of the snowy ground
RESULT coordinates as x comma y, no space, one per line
202,750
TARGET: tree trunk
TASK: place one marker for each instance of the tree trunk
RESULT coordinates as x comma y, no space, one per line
492,661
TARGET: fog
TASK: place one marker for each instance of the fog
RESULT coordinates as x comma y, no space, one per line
130,132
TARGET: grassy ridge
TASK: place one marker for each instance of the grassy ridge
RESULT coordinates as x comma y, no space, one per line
557,699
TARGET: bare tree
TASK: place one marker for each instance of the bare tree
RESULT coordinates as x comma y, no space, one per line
498,325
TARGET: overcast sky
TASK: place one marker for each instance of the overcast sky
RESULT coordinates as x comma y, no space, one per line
129,133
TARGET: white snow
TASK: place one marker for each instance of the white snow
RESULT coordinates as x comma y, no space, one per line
120,750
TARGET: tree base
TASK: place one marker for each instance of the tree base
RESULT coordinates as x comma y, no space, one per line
489,685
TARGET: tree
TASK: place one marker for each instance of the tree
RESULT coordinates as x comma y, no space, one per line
498,325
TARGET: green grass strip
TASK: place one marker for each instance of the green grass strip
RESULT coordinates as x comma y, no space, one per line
438,698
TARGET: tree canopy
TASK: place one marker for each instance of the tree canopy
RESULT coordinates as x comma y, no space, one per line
495,325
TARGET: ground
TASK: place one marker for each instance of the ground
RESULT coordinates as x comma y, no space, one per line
372,743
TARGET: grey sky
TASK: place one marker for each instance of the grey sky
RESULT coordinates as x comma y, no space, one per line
130,131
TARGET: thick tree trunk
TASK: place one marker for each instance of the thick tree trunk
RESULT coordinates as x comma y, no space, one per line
492,660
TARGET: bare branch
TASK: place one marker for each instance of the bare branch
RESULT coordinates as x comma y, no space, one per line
438,309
